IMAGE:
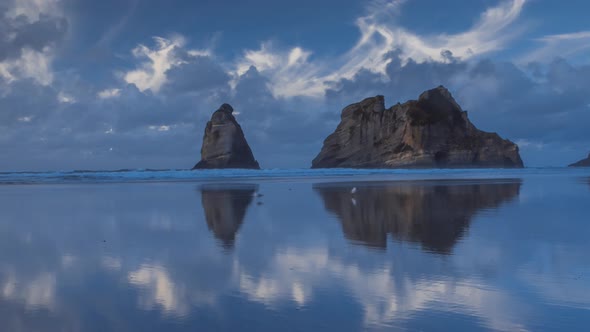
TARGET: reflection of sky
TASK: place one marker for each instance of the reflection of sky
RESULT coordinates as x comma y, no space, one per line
142,257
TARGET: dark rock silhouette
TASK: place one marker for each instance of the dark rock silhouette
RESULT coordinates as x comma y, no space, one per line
224,144
582,163
434,214
432,131
225,208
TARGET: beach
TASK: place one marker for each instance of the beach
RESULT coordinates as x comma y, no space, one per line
453,250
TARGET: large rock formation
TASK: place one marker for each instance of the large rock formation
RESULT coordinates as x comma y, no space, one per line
433,214
582,163
432,131
224,144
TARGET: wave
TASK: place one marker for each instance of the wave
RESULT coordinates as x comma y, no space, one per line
180,175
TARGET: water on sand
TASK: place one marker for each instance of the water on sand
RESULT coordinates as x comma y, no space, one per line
455,251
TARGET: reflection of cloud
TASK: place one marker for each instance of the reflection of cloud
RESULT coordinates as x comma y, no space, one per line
289,278
558,277
111,263
67,260
40,292
262,289
160,290
385,294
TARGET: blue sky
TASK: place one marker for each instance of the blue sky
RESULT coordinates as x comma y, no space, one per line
130,84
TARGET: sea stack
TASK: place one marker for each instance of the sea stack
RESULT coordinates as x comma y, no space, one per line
431,132
582,163
224,144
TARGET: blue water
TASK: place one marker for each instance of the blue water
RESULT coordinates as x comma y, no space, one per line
295,250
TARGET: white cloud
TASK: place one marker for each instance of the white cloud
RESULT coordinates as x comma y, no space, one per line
109,93
560,45
380,34
32,9
25,119
160,128
65,98
151,74
291,72
31,64
527,144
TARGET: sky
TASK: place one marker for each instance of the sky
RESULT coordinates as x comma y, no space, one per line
120,84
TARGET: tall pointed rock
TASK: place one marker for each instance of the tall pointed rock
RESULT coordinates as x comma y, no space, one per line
431,132
224,144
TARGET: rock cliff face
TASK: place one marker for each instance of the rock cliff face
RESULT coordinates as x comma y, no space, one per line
432,131
224,144
435,215
582,163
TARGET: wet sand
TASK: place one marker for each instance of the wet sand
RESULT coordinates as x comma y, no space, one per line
495,254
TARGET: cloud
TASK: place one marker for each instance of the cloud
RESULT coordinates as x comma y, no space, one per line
289,72
152,110
33,10
380,35
292,72
158,61
109,93
197,72
29,65
568,45
65,98
152,72
29,33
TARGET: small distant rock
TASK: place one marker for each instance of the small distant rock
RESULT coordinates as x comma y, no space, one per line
224,143
582,163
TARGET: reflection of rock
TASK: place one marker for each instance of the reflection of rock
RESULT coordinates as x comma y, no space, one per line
433,214
225,208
